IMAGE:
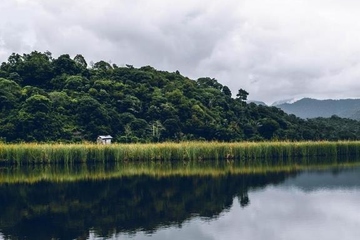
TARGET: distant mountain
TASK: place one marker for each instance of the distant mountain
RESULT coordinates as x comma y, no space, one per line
312,108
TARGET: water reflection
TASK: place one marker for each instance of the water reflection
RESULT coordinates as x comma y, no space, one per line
276,213
277,205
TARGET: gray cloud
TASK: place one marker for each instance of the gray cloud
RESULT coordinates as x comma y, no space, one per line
274,49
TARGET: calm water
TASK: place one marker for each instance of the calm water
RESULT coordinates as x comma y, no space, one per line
322,204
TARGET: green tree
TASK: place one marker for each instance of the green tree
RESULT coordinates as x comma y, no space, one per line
226,91
65,65
35,69
37,121
242,95
10,93
80,61
93,118
267,128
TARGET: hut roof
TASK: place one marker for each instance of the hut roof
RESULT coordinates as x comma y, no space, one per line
105,137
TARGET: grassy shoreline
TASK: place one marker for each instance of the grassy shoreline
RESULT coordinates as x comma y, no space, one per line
246,152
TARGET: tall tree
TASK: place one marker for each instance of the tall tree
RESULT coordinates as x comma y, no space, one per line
36,69
242,95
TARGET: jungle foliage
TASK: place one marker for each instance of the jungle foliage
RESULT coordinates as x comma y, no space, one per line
63,99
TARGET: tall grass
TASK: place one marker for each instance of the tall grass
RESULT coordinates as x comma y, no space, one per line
247,153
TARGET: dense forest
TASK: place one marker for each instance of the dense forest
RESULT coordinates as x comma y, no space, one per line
64,99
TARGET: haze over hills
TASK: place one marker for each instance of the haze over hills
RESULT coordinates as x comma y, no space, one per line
312,108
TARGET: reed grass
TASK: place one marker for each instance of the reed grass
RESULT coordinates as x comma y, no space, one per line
248,153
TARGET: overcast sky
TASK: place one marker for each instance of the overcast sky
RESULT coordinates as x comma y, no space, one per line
274,49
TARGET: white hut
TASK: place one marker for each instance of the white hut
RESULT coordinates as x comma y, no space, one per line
104,139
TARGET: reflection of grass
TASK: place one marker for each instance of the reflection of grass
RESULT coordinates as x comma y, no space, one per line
246,152
100,171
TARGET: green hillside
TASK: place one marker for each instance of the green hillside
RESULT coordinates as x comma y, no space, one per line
64,99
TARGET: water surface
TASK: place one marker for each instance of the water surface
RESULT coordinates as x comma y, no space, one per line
292,204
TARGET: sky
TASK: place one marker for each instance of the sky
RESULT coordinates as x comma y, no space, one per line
274,49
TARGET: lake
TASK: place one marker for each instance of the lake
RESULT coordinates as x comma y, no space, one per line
313,203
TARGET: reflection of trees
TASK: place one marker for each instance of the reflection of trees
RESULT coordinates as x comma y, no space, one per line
244,200
68,210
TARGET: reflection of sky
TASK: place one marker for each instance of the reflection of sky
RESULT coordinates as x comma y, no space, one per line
276,213
309,181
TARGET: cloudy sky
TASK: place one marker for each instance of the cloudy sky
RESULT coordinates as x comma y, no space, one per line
275,49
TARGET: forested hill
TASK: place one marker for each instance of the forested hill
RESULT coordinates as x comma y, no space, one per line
63,99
